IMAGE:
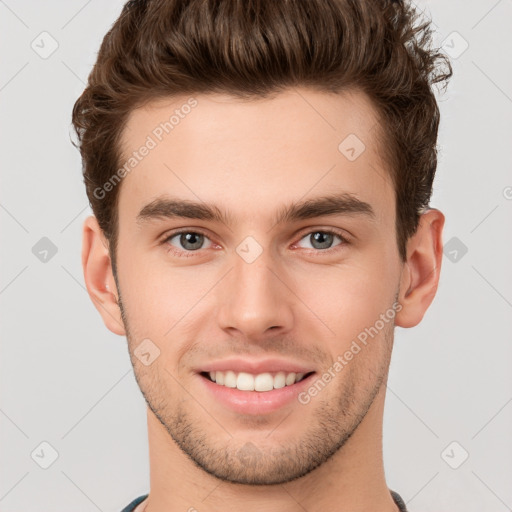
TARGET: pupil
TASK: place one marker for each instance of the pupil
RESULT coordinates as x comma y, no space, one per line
324,240
191,239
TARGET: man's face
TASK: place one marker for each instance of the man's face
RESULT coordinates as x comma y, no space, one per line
252,289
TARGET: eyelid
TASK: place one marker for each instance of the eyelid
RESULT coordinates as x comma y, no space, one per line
178,231
334,231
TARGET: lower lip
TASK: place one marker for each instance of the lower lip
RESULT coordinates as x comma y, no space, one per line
255,402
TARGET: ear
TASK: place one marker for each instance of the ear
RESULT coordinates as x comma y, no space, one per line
98,275
421,270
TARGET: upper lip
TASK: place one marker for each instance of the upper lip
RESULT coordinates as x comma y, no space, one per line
255,367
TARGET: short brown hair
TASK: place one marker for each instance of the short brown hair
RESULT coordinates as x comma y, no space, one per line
254,48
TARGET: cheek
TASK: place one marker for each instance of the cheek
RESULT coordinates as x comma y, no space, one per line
157,296
144,292
344,300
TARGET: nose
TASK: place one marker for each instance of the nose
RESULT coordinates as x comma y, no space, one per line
255,299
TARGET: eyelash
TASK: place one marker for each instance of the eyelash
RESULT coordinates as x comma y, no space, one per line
189,254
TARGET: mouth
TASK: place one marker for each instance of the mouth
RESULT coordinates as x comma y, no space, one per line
254,386
254,394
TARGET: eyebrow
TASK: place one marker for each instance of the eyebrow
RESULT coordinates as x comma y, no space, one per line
337,204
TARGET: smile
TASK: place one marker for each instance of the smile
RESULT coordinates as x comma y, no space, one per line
262,382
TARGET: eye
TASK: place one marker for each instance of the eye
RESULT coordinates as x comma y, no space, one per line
322,239
187,241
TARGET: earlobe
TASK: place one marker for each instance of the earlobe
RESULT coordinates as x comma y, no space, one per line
98,276
421,271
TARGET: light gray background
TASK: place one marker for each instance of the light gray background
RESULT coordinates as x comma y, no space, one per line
66,380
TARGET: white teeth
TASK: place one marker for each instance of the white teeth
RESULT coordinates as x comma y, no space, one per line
290,378
280,380
245,382
230,379
260,382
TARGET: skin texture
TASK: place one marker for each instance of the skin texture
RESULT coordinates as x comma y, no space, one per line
295,301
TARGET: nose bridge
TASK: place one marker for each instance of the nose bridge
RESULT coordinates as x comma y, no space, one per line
254,297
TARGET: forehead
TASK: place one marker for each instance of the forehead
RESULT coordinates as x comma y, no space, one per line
254,156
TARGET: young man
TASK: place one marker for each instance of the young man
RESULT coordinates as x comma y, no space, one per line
260,175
